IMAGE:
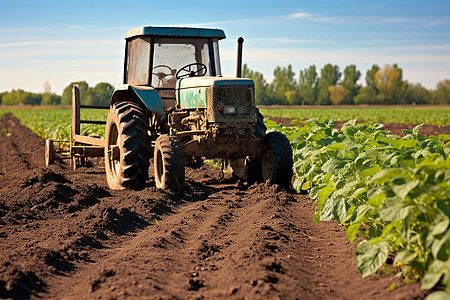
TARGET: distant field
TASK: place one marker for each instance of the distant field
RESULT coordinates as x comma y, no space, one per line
55,123
436,115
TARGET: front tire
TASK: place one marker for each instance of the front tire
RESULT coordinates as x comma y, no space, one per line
277,161
127,146
169,163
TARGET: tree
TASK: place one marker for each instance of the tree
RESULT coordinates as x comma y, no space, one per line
100,94
389,82
442,93
66,98
329,75
284,84
47,96
308,85
338,94
368,95
351,77
20,97
370,76
416,94
261,86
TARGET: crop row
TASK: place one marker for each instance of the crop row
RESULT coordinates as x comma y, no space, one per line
409,115
392,191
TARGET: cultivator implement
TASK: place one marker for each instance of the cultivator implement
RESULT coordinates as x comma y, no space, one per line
80,146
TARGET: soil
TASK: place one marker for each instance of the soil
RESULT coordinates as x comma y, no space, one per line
393,128
64,234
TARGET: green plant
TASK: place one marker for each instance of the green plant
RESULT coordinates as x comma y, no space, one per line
438,115
393,191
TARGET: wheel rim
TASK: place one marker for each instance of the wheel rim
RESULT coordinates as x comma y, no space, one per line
113,140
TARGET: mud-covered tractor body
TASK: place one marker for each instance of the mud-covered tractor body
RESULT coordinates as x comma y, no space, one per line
175,105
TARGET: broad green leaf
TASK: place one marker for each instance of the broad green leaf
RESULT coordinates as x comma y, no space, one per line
316,217
298,183
402,190
352,230
369,258
270,123
395,212
440,227
358,192
405,256
334,165
325,193
328,209
385,175
434,273
444,137
306,186
339,210
377,200
369,172
362,212
439,244
402,144
417,129
439,295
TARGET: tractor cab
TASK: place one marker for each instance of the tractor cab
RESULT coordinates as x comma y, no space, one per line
159,56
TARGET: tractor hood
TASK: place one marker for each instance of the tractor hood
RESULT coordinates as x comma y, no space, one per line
226,99
207,81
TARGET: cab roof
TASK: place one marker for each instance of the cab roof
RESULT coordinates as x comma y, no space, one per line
176,32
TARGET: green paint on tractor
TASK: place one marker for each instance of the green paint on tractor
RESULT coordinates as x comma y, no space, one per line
192,97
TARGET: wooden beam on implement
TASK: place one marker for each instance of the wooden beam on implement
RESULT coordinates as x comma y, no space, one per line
75,110
82,139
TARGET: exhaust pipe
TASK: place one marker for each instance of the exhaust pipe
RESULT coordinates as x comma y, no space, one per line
240,41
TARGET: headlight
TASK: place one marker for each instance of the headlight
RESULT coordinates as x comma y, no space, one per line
229,110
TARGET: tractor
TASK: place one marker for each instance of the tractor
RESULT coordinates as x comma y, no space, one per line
175,106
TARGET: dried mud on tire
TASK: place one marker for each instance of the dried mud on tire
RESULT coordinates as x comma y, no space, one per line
64,234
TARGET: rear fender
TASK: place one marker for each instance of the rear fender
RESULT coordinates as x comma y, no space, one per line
144,94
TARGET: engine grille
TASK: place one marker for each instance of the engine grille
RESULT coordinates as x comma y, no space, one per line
239,96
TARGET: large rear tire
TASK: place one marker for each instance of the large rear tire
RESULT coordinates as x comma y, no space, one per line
127,146
169,163
277,161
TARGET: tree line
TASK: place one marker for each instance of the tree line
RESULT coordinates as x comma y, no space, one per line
383,85
100,94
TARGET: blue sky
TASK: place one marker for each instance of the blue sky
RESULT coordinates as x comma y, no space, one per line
64,41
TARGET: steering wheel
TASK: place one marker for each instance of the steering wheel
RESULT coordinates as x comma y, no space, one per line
162,75
188,70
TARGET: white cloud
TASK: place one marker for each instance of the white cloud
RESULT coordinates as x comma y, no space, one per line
299,15
78,27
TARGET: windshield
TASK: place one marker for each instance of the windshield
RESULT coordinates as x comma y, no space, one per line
179,57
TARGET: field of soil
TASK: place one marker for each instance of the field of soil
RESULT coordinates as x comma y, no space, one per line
65,235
